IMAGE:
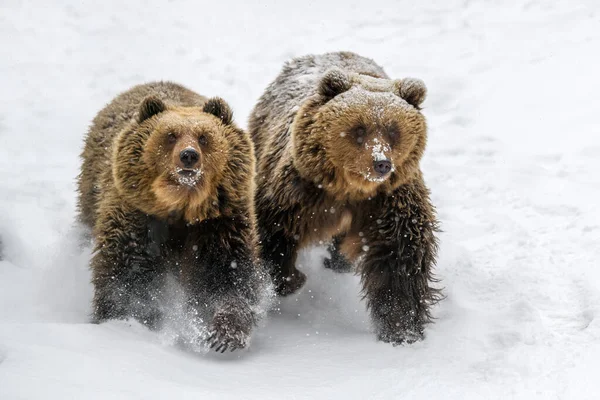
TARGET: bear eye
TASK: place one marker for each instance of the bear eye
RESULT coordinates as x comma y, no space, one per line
202,140
171,138
393,133
359,134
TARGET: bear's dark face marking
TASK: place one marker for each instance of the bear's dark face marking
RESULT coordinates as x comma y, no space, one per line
371,139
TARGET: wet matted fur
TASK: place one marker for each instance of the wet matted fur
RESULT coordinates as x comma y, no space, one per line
152,216
321,131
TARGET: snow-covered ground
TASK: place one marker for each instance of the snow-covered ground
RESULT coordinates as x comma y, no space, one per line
513,162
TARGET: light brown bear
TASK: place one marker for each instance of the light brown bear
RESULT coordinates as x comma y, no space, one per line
167,187
338,145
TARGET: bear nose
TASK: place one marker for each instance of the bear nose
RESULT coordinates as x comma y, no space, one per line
189,157
383,167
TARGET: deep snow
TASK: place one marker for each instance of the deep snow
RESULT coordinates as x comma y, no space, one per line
512,160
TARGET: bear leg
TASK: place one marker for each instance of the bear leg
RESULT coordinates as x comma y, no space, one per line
397,268
280,254
226,283
132,290
337,262
126,271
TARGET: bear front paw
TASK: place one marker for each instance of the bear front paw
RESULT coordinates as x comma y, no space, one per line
399,337
337,265
285,286
399,331
229,330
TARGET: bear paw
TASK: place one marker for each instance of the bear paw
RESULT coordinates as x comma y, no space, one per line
229,330
400,336
290,284
338,265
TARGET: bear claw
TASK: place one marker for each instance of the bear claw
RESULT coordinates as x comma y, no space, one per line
400,338
229,331
220,342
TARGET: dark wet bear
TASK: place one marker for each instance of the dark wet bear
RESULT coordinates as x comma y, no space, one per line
338,146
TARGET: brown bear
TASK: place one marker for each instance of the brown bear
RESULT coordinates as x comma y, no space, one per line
338,145
167,186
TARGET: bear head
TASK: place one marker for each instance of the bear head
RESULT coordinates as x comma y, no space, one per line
170,160
360,134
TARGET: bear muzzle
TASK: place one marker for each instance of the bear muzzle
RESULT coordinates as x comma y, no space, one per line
188,166
189,157
382,167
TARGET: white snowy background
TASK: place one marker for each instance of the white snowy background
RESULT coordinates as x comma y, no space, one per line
513,162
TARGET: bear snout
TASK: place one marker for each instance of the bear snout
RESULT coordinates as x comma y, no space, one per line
189,157
382,167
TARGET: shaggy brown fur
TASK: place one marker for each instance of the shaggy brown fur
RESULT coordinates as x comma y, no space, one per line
321,131
151,214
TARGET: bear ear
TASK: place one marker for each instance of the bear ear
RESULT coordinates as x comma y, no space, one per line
412,90
150,106
220,109
334,82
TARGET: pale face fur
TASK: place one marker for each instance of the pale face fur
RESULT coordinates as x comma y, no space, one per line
148,171
353,131
174,185
364,128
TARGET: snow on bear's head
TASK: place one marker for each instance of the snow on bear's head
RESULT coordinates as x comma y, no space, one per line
359,134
